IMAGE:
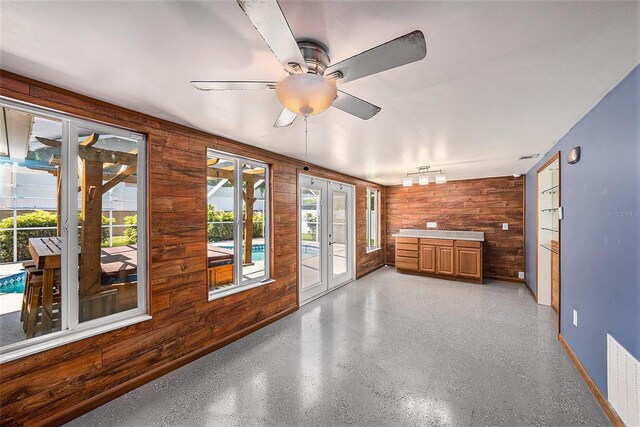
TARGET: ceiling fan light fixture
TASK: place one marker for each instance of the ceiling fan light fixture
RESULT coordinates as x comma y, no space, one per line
306,93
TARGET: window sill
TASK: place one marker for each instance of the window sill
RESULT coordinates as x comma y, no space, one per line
373,250
236,289
57,339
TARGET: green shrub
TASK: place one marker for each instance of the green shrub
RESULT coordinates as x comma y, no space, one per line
131,229
32,220
222,227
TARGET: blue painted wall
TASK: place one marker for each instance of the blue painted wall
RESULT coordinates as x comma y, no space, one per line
600,232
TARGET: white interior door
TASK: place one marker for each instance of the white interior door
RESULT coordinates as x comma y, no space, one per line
326,236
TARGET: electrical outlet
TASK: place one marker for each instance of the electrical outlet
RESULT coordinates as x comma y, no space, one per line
505,226
520,274
432,225
575,317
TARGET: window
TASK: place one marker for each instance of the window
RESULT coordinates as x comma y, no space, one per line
72,199
237,223
373,220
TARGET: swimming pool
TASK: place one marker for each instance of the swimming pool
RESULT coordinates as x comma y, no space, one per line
257,251
13,284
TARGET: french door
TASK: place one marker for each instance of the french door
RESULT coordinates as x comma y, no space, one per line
326,236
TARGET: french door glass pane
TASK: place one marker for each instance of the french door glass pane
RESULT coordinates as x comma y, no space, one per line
339,233
30,238
107,224
220,221
253,222
310,229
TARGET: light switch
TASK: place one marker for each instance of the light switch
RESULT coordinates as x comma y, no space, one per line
432,225
505,226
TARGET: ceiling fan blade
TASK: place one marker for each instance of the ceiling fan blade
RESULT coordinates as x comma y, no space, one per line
355,106
286,118
207,85
267,17
401,51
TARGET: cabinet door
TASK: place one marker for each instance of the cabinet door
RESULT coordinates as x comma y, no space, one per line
428,258
468,263
445,260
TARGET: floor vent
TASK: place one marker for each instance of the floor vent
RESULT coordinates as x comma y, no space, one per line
623,382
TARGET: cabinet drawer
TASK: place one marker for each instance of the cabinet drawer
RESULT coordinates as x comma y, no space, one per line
407,254
436,242
407,246
406,263
413,240
468,244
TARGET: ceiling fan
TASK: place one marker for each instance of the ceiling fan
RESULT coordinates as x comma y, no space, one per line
310,84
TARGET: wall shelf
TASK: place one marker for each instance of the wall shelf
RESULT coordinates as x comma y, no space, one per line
548,247
550,229
551,190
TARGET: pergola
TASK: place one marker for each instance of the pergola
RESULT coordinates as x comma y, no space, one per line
93,161
251,177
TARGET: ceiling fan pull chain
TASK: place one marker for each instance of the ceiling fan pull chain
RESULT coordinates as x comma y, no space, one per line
306,142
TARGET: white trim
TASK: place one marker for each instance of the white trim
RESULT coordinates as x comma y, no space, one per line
320,295
56,339
326,272
71,329
241,284
368,220
213,295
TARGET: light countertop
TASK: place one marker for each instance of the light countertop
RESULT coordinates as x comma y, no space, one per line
476,236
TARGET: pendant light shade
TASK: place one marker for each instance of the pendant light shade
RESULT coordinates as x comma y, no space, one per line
306,93
407,182
441,178
423,180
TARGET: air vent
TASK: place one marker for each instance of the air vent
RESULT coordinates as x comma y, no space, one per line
528,157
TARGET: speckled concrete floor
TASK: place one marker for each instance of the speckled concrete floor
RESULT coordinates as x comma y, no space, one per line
389,349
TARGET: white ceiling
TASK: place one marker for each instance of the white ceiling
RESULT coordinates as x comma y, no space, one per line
500,79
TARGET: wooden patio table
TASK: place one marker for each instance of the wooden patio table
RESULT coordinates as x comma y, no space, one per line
46,252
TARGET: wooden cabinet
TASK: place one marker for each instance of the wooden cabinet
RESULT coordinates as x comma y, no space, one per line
445,260
407,253
469,260
427,258
459,259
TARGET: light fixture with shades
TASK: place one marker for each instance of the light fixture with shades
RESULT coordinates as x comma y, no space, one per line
424,172
441,178
306,94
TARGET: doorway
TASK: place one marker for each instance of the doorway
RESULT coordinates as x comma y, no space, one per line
327,236
548,216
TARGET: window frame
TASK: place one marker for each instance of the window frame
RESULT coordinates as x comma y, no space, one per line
239,284
376,192
71,329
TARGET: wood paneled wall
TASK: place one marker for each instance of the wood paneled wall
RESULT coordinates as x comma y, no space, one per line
472,205
61,383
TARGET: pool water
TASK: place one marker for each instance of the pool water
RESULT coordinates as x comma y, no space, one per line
257,251
13,284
